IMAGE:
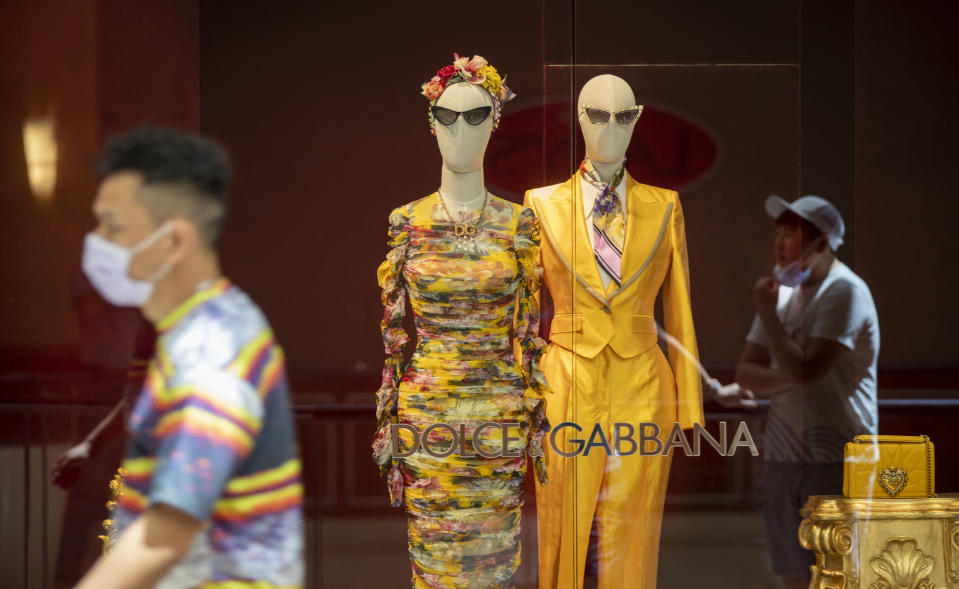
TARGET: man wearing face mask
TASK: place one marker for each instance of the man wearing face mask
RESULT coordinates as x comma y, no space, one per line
812,350
212,489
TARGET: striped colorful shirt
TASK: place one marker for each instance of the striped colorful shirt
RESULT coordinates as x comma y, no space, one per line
212,435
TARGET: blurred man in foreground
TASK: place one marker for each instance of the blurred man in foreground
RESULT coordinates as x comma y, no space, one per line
212,492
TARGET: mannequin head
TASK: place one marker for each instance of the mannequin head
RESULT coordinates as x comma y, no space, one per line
462,145
606,143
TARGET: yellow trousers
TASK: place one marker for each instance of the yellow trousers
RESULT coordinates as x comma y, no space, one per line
625,493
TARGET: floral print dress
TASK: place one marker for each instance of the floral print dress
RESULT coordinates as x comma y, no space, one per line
470,304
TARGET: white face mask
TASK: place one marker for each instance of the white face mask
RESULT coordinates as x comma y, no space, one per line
793,274
107,265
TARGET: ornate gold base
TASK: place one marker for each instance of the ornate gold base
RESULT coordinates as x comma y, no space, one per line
882,543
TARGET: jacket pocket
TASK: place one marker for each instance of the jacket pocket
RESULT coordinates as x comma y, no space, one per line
644,328
644,324
566,323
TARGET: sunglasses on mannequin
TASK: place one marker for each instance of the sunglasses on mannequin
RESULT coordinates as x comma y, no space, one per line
598,116
473,117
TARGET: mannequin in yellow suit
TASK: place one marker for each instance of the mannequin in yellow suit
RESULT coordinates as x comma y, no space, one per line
603,362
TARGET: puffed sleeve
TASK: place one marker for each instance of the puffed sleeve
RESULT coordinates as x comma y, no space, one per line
390,278
531,346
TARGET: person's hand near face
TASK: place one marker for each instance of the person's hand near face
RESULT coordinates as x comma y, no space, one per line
766,295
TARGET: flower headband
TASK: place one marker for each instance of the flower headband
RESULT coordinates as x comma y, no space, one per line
475,71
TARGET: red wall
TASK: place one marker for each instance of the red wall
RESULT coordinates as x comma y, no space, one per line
97,68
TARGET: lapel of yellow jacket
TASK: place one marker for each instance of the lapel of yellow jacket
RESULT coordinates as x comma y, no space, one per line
564,223
646,223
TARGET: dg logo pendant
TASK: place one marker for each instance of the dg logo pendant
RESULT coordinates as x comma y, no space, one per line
463,231
465,236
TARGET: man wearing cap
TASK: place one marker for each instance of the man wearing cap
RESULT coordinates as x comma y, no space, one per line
812,351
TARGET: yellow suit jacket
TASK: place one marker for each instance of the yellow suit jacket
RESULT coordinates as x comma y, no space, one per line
586,319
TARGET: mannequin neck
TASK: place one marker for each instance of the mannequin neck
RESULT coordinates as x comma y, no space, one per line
463,189
606,171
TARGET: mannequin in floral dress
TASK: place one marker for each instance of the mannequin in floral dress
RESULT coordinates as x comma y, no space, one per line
467,260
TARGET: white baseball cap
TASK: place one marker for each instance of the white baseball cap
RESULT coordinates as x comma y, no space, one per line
814,209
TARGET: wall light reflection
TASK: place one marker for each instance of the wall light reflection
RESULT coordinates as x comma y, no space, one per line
40,149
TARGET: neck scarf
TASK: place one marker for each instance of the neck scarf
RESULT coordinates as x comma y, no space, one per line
609,223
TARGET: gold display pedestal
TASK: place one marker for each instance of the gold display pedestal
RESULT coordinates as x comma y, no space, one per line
882,543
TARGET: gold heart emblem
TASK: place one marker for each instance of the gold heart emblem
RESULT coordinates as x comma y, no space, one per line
892,479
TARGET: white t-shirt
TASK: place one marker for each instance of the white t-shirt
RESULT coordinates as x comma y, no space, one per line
812,422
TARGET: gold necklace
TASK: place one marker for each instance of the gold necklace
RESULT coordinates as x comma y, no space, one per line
465,232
